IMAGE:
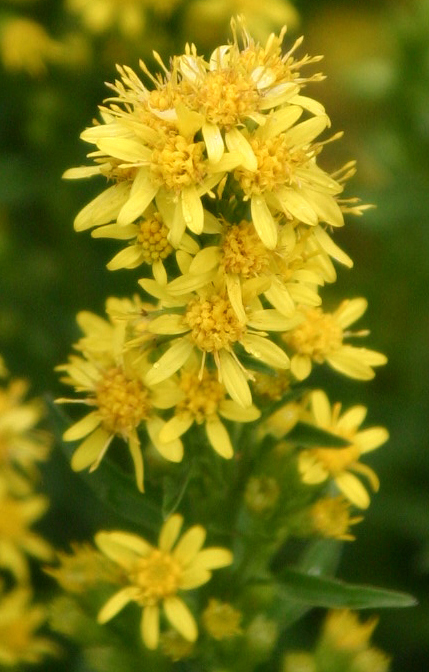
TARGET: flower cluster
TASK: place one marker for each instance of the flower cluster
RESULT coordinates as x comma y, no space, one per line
214,183
22,446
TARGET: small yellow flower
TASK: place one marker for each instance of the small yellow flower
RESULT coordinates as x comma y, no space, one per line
26,46
21,444
330,517
19,621
221,620
82,568
320,338
202,400
343,630
17,540
112,380
211,326
156,575
317,465
261,494
99,16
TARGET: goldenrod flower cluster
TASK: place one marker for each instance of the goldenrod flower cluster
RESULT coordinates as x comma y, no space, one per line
22,446
214,186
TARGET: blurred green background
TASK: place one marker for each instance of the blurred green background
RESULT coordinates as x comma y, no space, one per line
377,91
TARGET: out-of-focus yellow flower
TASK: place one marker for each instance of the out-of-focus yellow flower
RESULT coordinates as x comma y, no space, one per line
320,338
330,517
317,465
19,621
21,444
111,378
343,630
221,620
261,494
17,540
25,45
156,575
212,17
82,569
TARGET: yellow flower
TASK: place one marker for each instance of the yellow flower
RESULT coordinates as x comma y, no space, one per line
19,620
25,45
211,326
112,380
156,575
317,465
319,338
202,399
21,445
221,620
285,177
99,16
343,630
147,243
17,540
289,274
82,568
330,517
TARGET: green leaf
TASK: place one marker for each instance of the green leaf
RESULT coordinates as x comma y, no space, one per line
310,436
322,591
174,489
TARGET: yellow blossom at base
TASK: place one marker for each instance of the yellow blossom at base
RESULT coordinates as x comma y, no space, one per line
319,338
330,517
19,621
221,620
155,576
317,465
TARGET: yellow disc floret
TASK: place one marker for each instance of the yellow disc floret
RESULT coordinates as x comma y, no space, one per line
122,402
177,163
318,336
157,576
152,238
243,251
202,395
213,322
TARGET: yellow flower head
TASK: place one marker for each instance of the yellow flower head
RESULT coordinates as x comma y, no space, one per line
212,328
155,576
19,621
317,465
320,338
26,46
83,568
111,379
21,444
330,517
221,620
17,540
202,400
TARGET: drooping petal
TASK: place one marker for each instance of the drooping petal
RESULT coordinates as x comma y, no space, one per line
83,427
230,410
352,489
171,450
263,221
142,193
170,362
175,427
181,618
89,450
136,454
321,408
300,366
234,379
236,142
115,604
126,258
219,437
150,626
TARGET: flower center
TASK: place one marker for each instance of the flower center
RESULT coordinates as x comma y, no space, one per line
177,163
243,251
152,238
336,460
227,97
122,402
318,336
213,322
157,576
276,164
202,397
